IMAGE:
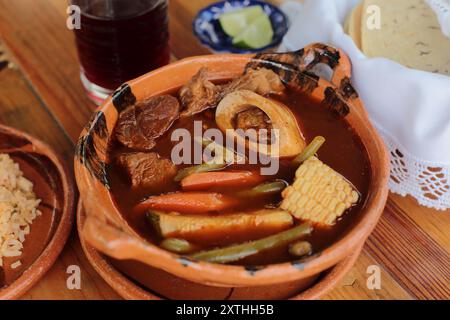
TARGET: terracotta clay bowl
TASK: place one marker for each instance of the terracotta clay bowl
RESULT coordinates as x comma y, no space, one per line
107,231
49,232
144,283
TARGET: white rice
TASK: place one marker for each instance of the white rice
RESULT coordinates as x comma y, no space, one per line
18,209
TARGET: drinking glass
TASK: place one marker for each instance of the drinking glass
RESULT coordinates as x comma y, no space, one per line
119,40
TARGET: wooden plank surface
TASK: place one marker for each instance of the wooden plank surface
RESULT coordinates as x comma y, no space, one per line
36,33
40,93
21,108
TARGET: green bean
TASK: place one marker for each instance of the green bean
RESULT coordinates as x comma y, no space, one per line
310,150
300,248
204,167
262,189
241,251
177,245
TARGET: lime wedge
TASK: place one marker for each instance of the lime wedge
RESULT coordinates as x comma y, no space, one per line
257,35
235,22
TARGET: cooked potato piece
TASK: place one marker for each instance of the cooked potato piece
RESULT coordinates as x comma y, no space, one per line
319,194
230,228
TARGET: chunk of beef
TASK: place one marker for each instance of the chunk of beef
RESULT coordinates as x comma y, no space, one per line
200,94
147,169
139,125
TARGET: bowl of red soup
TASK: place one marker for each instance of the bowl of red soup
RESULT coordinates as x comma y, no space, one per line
233,171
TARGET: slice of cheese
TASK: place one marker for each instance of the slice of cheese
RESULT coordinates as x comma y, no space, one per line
410,34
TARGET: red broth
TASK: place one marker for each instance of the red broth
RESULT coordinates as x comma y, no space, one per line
343,151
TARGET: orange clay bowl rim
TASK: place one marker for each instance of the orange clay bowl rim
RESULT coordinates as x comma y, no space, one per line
226,66
59,238
130,290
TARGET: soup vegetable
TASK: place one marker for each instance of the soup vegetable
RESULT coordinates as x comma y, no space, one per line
226,207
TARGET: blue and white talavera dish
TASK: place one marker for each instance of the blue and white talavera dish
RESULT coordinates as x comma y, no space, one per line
209,32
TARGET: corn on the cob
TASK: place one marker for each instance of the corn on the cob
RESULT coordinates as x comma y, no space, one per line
319,194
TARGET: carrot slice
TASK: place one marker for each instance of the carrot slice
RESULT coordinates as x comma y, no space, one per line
206,180
188,202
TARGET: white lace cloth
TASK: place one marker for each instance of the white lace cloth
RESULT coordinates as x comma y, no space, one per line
410,108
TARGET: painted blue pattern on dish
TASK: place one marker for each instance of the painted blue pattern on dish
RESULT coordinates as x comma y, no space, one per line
208,30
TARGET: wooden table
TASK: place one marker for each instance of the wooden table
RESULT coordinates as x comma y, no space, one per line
40,93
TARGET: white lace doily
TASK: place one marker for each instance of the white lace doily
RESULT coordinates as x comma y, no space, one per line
428,182
410,108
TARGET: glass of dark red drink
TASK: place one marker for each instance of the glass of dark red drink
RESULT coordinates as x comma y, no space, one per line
119,40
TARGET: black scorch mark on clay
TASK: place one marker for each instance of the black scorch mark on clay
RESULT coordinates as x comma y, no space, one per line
89,145
253,269
286,66
335,103
185,261
123,97
3,64
347,90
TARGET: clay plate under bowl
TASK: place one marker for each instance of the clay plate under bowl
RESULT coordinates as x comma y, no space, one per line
49,232
107,230
131,290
